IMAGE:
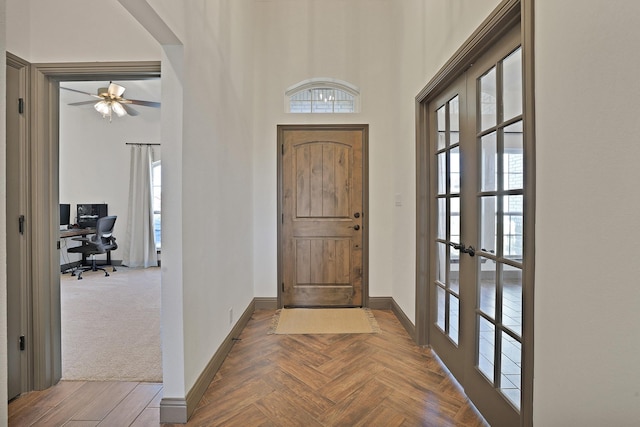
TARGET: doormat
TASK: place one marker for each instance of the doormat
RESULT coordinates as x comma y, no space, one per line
290,321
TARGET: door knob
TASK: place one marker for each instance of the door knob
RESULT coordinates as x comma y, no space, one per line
356,215
355,227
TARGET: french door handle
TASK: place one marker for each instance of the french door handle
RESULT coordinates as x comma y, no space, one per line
462,248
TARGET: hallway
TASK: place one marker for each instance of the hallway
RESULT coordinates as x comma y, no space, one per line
379,379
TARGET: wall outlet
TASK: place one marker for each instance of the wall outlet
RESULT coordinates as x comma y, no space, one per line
231,316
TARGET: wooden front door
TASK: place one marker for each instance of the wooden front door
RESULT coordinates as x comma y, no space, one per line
322,230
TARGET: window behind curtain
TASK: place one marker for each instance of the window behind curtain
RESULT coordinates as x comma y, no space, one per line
156,169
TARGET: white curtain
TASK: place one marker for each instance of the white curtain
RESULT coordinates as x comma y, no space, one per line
140,246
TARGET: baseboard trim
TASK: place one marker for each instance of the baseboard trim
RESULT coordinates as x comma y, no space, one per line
381,303
404,320
175,410
388,303
265,303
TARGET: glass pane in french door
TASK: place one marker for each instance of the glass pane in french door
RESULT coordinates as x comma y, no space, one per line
501,217
447,161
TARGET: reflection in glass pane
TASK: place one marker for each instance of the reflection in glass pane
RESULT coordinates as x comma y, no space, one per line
488,167
455,219
454,307
454,121
512,85
454,171
442,127
488,287
513,157
488,223
511,369
486,347
512,298
442,219
441,263
513,227
440,309
442,173
488,100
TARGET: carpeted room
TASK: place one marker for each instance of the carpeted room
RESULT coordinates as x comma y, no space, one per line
111,326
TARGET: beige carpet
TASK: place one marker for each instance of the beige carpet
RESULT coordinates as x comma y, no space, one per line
324,321
111,326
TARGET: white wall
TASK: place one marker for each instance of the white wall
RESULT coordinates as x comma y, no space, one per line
389,50
76,30
587,316
349,41
94,160
217,177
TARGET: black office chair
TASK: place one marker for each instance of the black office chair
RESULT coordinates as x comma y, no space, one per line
101,242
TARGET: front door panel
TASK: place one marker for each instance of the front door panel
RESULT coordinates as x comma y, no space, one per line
322,218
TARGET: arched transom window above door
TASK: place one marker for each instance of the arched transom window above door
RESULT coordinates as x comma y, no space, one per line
322,95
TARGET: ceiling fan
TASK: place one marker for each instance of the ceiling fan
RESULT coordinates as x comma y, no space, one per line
111,101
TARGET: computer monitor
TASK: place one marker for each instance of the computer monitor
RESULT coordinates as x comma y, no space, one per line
88,214
65,215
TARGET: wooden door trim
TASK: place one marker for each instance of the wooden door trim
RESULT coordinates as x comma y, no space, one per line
44,132
365,199
26,374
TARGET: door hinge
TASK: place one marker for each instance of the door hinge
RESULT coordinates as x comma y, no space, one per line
58,244
282,286
282,149
282,219
22,343
21,224
20,105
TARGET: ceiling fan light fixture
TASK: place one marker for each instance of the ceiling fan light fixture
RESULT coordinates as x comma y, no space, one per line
103,108
118,109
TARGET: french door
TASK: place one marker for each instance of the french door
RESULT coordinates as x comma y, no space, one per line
477,205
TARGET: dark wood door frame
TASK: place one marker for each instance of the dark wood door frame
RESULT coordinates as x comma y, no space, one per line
365,200
44,197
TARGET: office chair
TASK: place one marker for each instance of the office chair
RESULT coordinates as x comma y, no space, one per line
101,242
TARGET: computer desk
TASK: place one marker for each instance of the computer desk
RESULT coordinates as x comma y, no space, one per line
78,232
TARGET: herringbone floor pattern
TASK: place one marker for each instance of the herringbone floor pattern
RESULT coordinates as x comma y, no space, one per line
381,379
332,380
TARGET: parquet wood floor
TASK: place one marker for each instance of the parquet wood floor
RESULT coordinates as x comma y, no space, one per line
379,379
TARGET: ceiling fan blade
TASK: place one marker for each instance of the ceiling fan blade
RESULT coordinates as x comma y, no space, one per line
130,111
82,103
143,103
79,91
115,90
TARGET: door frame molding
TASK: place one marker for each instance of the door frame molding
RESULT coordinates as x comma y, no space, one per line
365,199
26,357
503,17
44,115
